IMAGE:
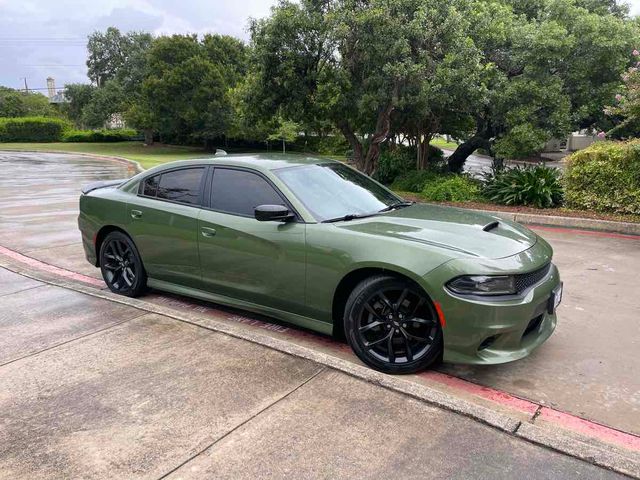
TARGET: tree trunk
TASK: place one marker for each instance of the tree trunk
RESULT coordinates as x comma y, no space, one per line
148,136
209,145
422,149
383,124
459,156
355,144
284,148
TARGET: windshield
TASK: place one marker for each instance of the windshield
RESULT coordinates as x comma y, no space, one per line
333,190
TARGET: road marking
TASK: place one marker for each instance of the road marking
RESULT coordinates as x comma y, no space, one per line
566,421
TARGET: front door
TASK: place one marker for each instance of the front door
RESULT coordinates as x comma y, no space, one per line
240,257
164,225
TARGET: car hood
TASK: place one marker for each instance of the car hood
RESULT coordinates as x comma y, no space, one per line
450,228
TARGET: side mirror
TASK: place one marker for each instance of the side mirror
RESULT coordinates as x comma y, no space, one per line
273,213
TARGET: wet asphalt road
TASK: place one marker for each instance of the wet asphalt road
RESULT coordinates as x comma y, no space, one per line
588,367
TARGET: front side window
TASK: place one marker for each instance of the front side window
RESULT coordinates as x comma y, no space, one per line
150,186
181,186
240,192
333,190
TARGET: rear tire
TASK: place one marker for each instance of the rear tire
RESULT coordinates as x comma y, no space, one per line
392,326
121,265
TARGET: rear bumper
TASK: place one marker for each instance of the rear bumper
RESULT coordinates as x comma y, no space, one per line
88,232
485,330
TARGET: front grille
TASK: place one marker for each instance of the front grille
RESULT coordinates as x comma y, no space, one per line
527,280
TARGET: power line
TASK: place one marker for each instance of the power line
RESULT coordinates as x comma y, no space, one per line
39,88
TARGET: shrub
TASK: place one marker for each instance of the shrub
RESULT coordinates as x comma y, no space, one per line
452,188
32,129
537,186
605,177
439,187
400,160
413,180
104,135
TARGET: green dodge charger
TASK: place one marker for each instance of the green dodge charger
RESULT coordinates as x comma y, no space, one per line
320,245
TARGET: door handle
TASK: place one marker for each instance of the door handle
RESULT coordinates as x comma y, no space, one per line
208,232
136,214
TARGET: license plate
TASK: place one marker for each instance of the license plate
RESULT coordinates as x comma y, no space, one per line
556,298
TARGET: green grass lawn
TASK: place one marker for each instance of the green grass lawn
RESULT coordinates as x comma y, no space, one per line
147,156
442,143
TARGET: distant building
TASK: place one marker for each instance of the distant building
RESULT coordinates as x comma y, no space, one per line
56,97
115,121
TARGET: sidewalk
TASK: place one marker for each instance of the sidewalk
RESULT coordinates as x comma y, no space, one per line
97,389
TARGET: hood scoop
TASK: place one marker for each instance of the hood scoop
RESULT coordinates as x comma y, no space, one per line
490,226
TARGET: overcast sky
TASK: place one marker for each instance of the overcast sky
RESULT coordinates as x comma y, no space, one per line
41,38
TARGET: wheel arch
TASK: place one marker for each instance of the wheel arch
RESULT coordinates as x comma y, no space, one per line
353,278
102,234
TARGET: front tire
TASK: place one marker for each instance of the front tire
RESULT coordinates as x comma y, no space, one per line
121,265
392,326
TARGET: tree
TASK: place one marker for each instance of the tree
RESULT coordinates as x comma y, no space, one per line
627,104
285,130
185,96
357,64
555,65
113,55
78,95
103,104
15,103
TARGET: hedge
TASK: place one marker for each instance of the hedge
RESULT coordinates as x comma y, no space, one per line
104,135
32,129
605,177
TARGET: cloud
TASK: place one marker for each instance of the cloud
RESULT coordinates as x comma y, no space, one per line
39,38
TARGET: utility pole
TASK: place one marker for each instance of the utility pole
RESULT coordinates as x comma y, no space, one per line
26,87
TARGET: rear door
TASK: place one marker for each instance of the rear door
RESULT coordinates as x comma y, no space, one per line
259,262
164,224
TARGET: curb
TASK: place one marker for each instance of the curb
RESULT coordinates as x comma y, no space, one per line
598,453
580,223
139,168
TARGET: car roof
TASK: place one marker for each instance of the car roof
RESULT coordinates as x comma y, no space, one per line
258,161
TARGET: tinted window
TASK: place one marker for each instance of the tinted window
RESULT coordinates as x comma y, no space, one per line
150,186
239,192
333,190
181,185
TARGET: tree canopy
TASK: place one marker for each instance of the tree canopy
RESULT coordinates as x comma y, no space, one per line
16,103
502,75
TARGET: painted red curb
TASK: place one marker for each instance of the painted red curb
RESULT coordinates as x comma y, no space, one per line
590,429
488,393
585,232
63,272
549,415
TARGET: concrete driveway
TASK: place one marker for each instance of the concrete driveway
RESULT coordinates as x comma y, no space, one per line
97,389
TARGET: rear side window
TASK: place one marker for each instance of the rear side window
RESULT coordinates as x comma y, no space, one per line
240,192
178,186
181,185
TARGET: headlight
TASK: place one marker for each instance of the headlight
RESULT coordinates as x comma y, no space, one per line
483,285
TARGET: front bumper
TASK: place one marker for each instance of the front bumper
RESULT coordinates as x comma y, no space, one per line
491,330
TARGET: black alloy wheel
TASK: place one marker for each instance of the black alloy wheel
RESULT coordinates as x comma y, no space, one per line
121,265
392,325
